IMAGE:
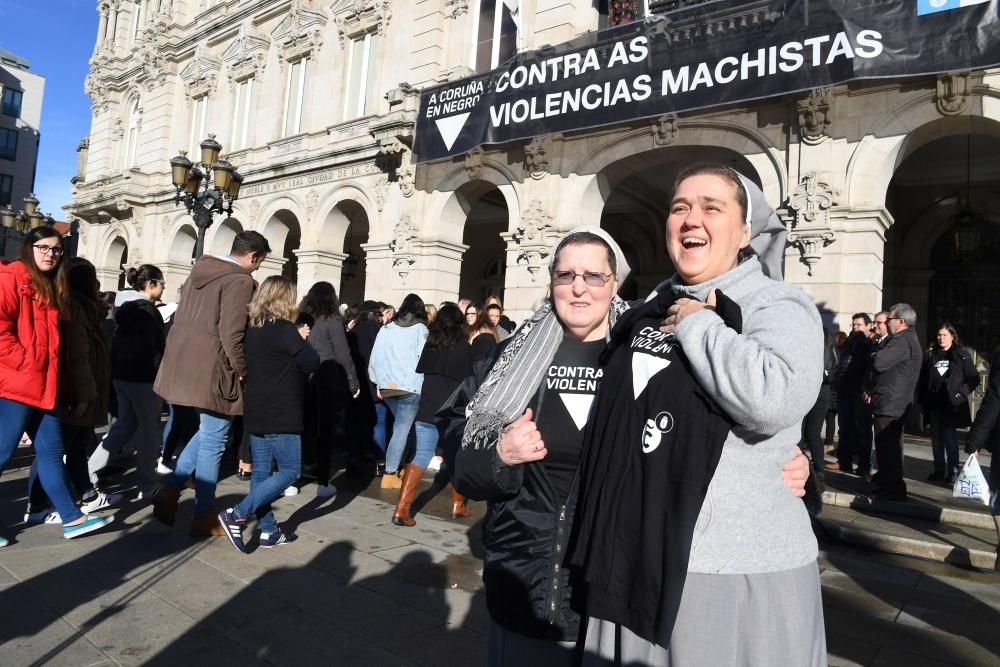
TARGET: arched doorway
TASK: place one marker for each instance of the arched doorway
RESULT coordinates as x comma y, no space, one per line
225,233
352,275
112,271
484,263
182,247
636,208
284,236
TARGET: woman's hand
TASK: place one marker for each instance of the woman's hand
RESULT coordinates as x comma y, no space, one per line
521,442
795,473
304,331
684,307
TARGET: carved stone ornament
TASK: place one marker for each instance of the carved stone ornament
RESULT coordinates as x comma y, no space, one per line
354,18
151,54
300,33
952,93
97,84
531,237
816,115
401,246
405,176
312,198
246,55
810,205
455,8
536,156
664,130
253,209
201,72
381,192
474,163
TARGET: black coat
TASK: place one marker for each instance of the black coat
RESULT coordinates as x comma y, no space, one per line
950,392
138,342
985,432
896,369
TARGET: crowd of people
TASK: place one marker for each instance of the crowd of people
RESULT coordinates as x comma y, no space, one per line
640,462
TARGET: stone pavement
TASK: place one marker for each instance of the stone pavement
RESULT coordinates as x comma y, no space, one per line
356,590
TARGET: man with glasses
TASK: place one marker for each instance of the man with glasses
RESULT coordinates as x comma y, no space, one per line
896,368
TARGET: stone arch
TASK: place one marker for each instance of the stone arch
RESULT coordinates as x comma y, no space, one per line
326,229
113,257
282,227
220,236
450,202
181,246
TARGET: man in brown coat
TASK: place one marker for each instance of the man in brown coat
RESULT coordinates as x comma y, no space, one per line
204,366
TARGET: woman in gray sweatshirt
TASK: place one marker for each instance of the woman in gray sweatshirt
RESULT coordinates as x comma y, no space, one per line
752,591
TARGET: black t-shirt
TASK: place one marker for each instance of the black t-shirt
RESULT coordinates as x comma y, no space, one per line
567,395
278,364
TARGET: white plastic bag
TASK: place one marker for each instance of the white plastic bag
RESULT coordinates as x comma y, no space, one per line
971,482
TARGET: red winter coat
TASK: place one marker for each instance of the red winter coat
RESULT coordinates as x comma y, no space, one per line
29,341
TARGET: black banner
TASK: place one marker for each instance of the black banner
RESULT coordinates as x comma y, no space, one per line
702,56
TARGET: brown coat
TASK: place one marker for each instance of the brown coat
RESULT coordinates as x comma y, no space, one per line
205,359
84,365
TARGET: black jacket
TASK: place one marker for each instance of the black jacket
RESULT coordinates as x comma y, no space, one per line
443,371
896,368
525,532
278,365
949,392
138,342
851,365
650,452
985,432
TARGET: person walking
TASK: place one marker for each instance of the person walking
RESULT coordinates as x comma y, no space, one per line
279,362
204,367
366,421
445,362
895,371
33,296
393,370
136,350
334,385
947,378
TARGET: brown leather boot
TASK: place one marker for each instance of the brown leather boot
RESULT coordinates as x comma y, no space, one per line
411,480
165,504
206,525
459,510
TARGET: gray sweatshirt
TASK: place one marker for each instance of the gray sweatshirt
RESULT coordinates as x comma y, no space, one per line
766,379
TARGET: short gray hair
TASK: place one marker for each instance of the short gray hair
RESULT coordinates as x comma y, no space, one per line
905,312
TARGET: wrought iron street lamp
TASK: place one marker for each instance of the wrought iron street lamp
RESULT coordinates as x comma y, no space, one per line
206,188
17,223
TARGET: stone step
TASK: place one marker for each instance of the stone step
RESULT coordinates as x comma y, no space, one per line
914,509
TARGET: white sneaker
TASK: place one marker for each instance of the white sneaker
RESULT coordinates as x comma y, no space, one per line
162,469
102,501
435,463
291,491
47,515
325,490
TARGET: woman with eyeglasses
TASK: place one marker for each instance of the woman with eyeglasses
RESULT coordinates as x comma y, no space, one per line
136,350
33,296
483,335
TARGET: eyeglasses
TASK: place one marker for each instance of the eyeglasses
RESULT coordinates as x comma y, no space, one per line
592,278
158,282
881,321
890,319
53,250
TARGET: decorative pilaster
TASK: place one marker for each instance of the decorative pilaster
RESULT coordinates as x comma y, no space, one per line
809,207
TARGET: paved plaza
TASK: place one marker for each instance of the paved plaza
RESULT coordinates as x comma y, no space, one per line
356,590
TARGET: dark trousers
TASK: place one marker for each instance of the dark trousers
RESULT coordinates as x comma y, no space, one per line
855,420
324,417
889,449
812,441
182,424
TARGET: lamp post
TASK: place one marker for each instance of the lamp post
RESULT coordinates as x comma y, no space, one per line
17,223
207,187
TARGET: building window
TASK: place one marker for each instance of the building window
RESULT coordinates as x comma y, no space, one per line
132,135
496,34
361,86
199,115
618,12
241,115
6,186
295,91
136,18
12,102
8,144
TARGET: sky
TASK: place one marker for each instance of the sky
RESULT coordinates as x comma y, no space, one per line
57,37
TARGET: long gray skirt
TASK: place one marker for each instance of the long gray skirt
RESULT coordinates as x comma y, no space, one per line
774,618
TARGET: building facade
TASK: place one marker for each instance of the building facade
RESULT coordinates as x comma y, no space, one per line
21,94
888,187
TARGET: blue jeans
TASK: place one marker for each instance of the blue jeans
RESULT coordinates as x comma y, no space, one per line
943,439
42,426
285,449
182,424
427,440
404,412
201,457
76,440
378,434
139,418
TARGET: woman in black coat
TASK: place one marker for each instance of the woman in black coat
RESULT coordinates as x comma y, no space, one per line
947,378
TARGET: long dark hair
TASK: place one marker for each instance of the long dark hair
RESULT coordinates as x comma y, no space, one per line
140,276
951,329
447,330
483,325
320,301
82,279
412,305
52,290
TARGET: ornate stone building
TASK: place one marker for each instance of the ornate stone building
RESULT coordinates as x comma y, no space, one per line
889,187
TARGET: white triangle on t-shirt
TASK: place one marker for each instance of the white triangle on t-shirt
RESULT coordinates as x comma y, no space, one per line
450,127
578,407
644,367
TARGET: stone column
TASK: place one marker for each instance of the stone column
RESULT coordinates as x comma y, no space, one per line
437,272
271,266
108,277
102,30
317,265
382,283
174,273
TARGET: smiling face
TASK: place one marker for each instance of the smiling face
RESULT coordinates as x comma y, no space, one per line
705,228
470,315
48,252
582,308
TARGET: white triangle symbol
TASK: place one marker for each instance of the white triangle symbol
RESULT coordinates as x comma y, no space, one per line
644,367
578,407
451,127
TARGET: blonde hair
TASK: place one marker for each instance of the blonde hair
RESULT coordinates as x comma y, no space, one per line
275,299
